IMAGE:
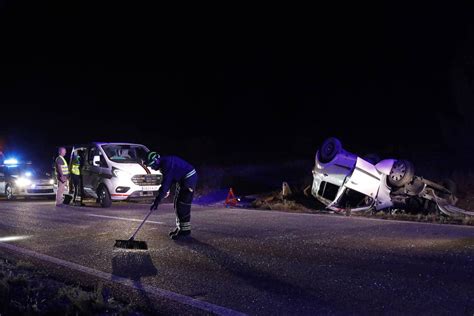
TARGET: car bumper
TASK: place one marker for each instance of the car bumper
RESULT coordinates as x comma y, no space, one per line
121,190
35,191
139,194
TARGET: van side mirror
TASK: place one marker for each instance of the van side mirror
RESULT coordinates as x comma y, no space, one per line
96,161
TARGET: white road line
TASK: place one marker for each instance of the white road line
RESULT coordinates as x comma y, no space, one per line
158,292
13,238
124,218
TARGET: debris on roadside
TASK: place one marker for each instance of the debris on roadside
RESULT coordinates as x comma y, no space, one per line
275,201
289,199
286,190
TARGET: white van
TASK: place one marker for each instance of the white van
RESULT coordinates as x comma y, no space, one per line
116,172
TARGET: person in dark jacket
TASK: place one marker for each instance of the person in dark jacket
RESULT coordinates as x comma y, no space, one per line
76,177
175,171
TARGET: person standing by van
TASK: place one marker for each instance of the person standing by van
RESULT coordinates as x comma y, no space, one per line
62,175
76,177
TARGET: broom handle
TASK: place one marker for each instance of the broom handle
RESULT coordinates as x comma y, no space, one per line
144,220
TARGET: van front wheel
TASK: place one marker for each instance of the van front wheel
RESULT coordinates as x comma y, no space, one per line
104,196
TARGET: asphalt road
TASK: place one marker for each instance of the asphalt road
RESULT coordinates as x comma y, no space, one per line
252,262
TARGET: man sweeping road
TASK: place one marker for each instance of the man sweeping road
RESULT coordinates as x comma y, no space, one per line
176,170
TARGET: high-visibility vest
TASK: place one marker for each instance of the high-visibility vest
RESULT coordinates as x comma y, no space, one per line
75,166
64,167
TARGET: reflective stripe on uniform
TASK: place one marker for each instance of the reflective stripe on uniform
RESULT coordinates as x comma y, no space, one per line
64,167
190,174
75,168
185,226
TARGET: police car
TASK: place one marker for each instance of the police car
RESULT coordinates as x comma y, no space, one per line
19,179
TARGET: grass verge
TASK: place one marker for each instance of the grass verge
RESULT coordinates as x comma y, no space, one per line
25,290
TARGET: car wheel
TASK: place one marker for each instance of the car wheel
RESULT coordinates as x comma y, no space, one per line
329,149
9,192
402,173
104,197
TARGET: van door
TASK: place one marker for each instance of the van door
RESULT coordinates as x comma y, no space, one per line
92,174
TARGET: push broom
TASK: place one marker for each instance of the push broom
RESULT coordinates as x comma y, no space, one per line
131,243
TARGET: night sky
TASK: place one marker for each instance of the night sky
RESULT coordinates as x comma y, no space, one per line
219,84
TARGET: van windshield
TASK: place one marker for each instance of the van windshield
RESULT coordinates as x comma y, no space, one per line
125,153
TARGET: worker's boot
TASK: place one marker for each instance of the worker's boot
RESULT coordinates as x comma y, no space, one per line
174,231
181,234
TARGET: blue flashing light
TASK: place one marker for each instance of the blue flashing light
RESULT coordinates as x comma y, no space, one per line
10,161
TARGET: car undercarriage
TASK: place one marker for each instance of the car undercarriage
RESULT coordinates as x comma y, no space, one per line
344,182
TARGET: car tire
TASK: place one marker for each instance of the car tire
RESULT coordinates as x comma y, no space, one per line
9,192
401,174
329,149
104,197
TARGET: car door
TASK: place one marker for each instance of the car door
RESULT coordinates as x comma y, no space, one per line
365,178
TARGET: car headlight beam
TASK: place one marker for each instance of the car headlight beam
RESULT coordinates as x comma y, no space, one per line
23,182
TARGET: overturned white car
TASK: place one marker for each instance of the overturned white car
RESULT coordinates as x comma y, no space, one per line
343,181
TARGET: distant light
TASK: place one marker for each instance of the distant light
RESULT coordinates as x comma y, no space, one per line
10,161
13,238
28,174
51,181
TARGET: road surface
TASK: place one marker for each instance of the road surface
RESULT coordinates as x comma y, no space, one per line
249,261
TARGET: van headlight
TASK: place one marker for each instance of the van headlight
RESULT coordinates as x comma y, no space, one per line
22,182
51,181
121,174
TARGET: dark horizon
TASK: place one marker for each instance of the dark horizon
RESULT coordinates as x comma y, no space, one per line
269,91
